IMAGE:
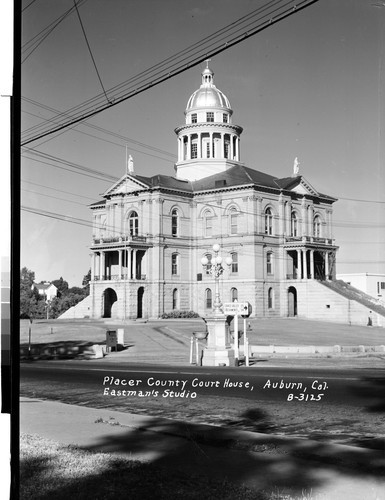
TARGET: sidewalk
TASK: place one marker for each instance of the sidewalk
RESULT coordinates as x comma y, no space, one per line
256,460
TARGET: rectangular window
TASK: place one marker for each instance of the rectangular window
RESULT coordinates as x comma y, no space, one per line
269,263
194,118
174,264
194,150
208,150
382,285
210,116
226,149
225,118
233,223
234,265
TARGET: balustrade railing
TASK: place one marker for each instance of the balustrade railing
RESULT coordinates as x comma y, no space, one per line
116,277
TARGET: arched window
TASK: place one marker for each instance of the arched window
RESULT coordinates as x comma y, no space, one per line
133,224
268,221
269,263
317,226
175,299
175,264
174,223
208,223
233,294
233,220
234,264
294,224
208,299
270,298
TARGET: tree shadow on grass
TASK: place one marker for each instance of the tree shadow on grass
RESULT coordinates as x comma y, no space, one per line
261,462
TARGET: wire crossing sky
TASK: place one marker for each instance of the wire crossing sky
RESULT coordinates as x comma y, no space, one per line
272,12
307,85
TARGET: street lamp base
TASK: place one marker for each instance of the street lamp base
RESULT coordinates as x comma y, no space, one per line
218,351
218,357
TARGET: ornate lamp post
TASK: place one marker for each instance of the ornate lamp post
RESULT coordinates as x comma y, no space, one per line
218,351
216,270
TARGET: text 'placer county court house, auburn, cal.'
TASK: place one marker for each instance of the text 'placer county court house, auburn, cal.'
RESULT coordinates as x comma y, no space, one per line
150,233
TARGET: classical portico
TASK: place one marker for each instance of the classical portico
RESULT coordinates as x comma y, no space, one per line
308,259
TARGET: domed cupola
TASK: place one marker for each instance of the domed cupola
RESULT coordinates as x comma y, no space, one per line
208,96
208,143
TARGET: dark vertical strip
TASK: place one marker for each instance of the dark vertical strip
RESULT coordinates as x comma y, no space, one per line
15,251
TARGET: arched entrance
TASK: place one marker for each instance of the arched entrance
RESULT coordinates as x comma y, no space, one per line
292,302
139,313
109,297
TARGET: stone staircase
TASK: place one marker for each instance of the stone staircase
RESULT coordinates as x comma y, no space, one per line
81,310
338,302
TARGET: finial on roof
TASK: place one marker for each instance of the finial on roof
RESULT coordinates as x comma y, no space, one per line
207,62
296,167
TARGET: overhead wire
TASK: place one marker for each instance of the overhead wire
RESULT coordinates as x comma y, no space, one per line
113,134
148,71
90,51
178,67
35,41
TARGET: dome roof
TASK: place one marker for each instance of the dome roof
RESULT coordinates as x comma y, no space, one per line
208,96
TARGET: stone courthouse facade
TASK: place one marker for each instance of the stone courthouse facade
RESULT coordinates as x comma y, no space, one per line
150,233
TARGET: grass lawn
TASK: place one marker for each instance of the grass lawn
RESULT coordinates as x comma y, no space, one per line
49,470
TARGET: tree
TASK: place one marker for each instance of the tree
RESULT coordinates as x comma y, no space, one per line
61,285
29,296
86,282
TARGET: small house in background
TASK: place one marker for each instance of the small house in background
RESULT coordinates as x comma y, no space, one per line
369,283
45,289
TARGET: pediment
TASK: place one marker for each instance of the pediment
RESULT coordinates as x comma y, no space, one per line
127,184
304,187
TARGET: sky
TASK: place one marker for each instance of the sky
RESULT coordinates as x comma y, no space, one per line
310,86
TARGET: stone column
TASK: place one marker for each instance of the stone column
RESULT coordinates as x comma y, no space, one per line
304,262
326,265
120,263
222,155
299,264
102,264
92,266
312,264
199,148
134,264
129,275
188,147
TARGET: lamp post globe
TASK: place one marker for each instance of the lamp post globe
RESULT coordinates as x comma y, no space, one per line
216,247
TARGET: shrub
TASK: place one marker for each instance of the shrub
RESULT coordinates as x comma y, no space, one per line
179,314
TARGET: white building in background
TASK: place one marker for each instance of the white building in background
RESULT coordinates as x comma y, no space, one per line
371,284
150,233
46,290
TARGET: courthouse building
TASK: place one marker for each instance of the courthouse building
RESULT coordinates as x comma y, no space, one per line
150,233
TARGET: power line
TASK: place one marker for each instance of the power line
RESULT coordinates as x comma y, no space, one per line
29,5
174,68
107,132
54,197
89,49
58,190
46,32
